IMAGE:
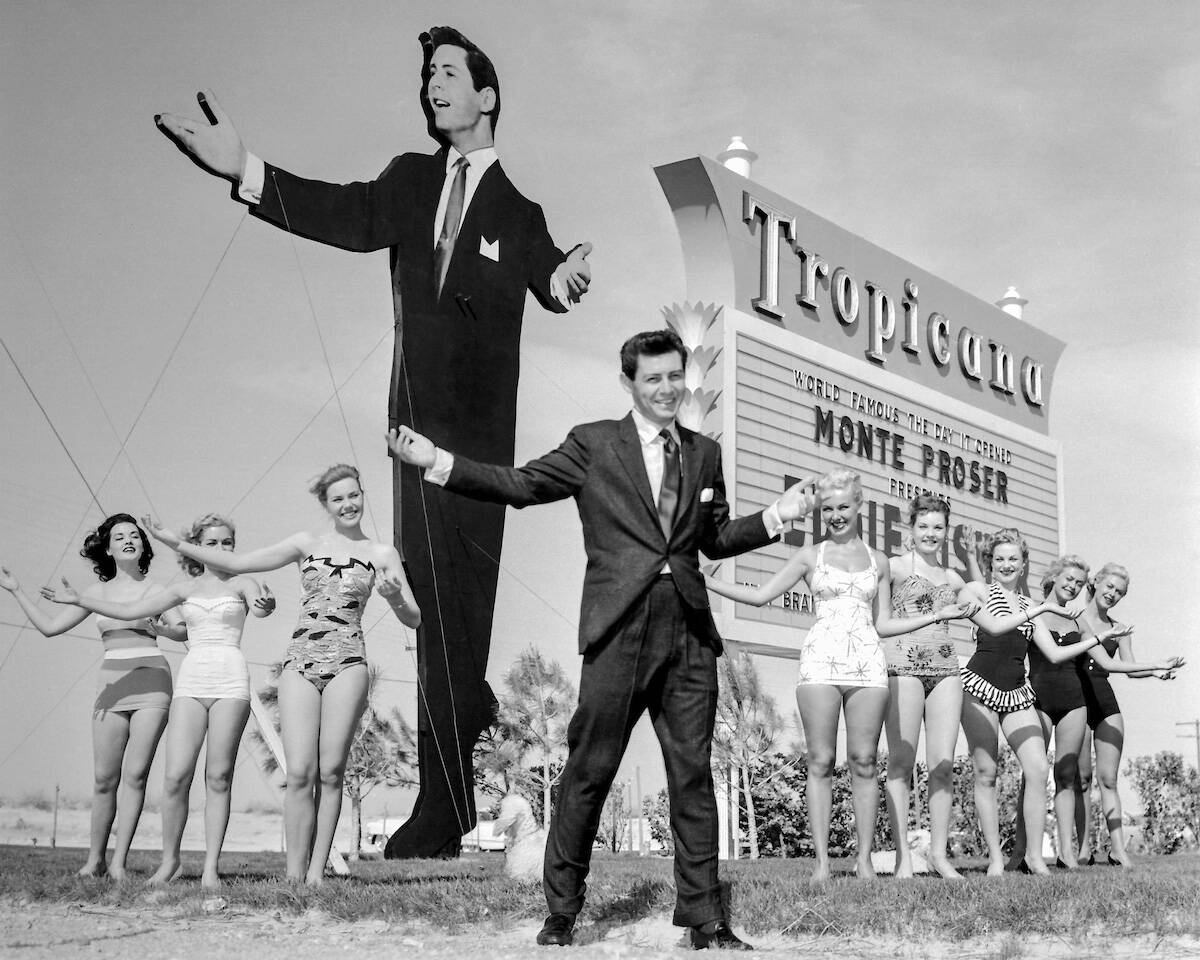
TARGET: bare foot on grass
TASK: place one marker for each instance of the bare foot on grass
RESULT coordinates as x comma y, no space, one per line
1036,865
210,880
820,873
865,870
944,868
170,870
995,868
117,871
93,868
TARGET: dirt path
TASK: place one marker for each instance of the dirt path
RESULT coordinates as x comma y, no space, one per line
33,931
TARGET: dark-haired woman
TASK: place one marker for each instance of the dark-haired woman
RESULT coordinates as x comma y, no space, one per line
212,690
323,685
134,693
1114,654
923,679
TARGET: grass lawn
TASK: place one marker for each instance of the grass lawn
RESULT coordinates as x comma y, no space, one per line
1160,895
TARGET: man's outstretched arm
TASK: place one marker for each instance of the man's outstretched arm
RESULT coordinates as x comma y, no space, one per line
557,475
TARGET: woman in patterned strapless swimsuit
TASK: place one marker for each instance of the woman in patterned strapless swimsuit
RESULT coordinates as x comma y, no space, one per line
323,685
212,691
923,679
134,685
842,667
1114,654
997,696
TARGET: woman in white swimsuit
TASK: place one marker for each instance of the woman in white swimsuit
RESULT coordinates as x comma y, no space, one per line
212,692
134,689
842,665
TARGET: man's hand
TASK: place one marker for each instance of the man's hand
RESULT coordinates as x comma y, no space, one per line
214,146
575,273
798,500
411,447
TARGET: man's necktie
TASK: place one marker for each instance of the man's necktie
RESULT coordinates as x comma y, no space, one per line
450,225
668,494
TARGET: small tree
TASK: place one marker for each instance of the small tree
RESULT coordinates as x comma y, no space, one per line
528,746
383,750
746,727
615,818
1170,794
657,812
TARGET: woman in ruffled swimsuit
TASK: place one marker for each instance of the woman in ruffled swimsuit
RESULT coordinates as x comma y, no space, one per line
1114,654
323,684
842,666
923,679
134,690
997,695
212,690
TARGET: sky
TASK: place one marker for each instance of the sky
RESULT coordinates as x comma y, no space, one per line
1053,147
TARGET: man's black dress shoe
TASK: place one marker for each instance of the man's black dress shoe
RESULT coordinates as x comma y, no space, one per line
557,931
720,937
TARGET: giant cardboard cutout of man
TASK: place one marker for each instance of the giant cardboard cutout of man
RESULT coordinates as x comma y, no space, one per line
465,245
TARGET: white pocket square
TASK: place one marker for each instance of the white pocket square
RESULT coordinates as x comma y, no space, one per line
490,250
706,495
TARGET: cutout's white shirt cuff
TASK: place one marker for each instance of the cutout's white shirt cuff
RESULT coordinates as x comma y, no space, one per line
250,184
443,463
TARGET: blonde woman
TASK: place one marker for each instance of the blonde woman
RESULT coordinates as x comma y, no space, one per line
323,686
1114,654
997,695
842,664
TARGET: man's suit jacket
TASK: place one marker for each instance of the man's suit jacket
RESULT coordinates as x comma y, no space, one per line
601,465
461,350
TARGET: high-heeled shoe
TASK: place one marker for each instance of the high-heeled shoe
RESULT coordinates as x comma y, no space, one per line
1114,862
1061,865
1023,867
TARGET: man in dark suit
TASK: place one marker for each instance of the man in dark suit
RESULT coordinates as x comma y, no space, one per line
651,496
465,245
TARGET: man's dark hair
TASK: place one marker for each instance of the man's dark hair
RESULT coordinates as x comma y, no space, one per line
650,343
483,74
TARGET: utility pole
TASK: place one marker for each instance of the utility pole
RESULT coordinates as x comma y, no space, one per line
1194,735
641,836
54,829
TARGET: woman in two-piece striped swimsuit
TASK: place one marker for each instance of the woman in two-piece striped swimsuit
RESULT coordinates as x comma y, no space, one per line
134,689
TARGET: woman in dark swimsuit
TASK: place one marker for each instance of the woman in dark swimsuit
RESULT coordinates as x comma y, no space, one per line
1113,655
323,686
997,696
1060,706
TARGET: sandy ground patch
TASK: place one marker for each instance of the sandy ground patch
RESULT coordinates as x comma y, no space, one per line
212,930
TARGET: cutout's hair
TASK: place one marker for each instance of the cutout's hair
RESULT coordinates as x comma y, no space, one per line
193,533
1060,564
483,73
1109,569
95,547
339,471
928,503
650,343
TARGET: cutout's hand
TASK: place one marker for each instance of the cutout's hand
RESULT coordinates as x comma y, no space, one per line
411,447
214,145
575,273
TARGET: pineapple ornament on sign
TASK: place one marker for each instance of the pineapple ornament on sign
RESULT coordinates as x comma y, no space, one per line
693,323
